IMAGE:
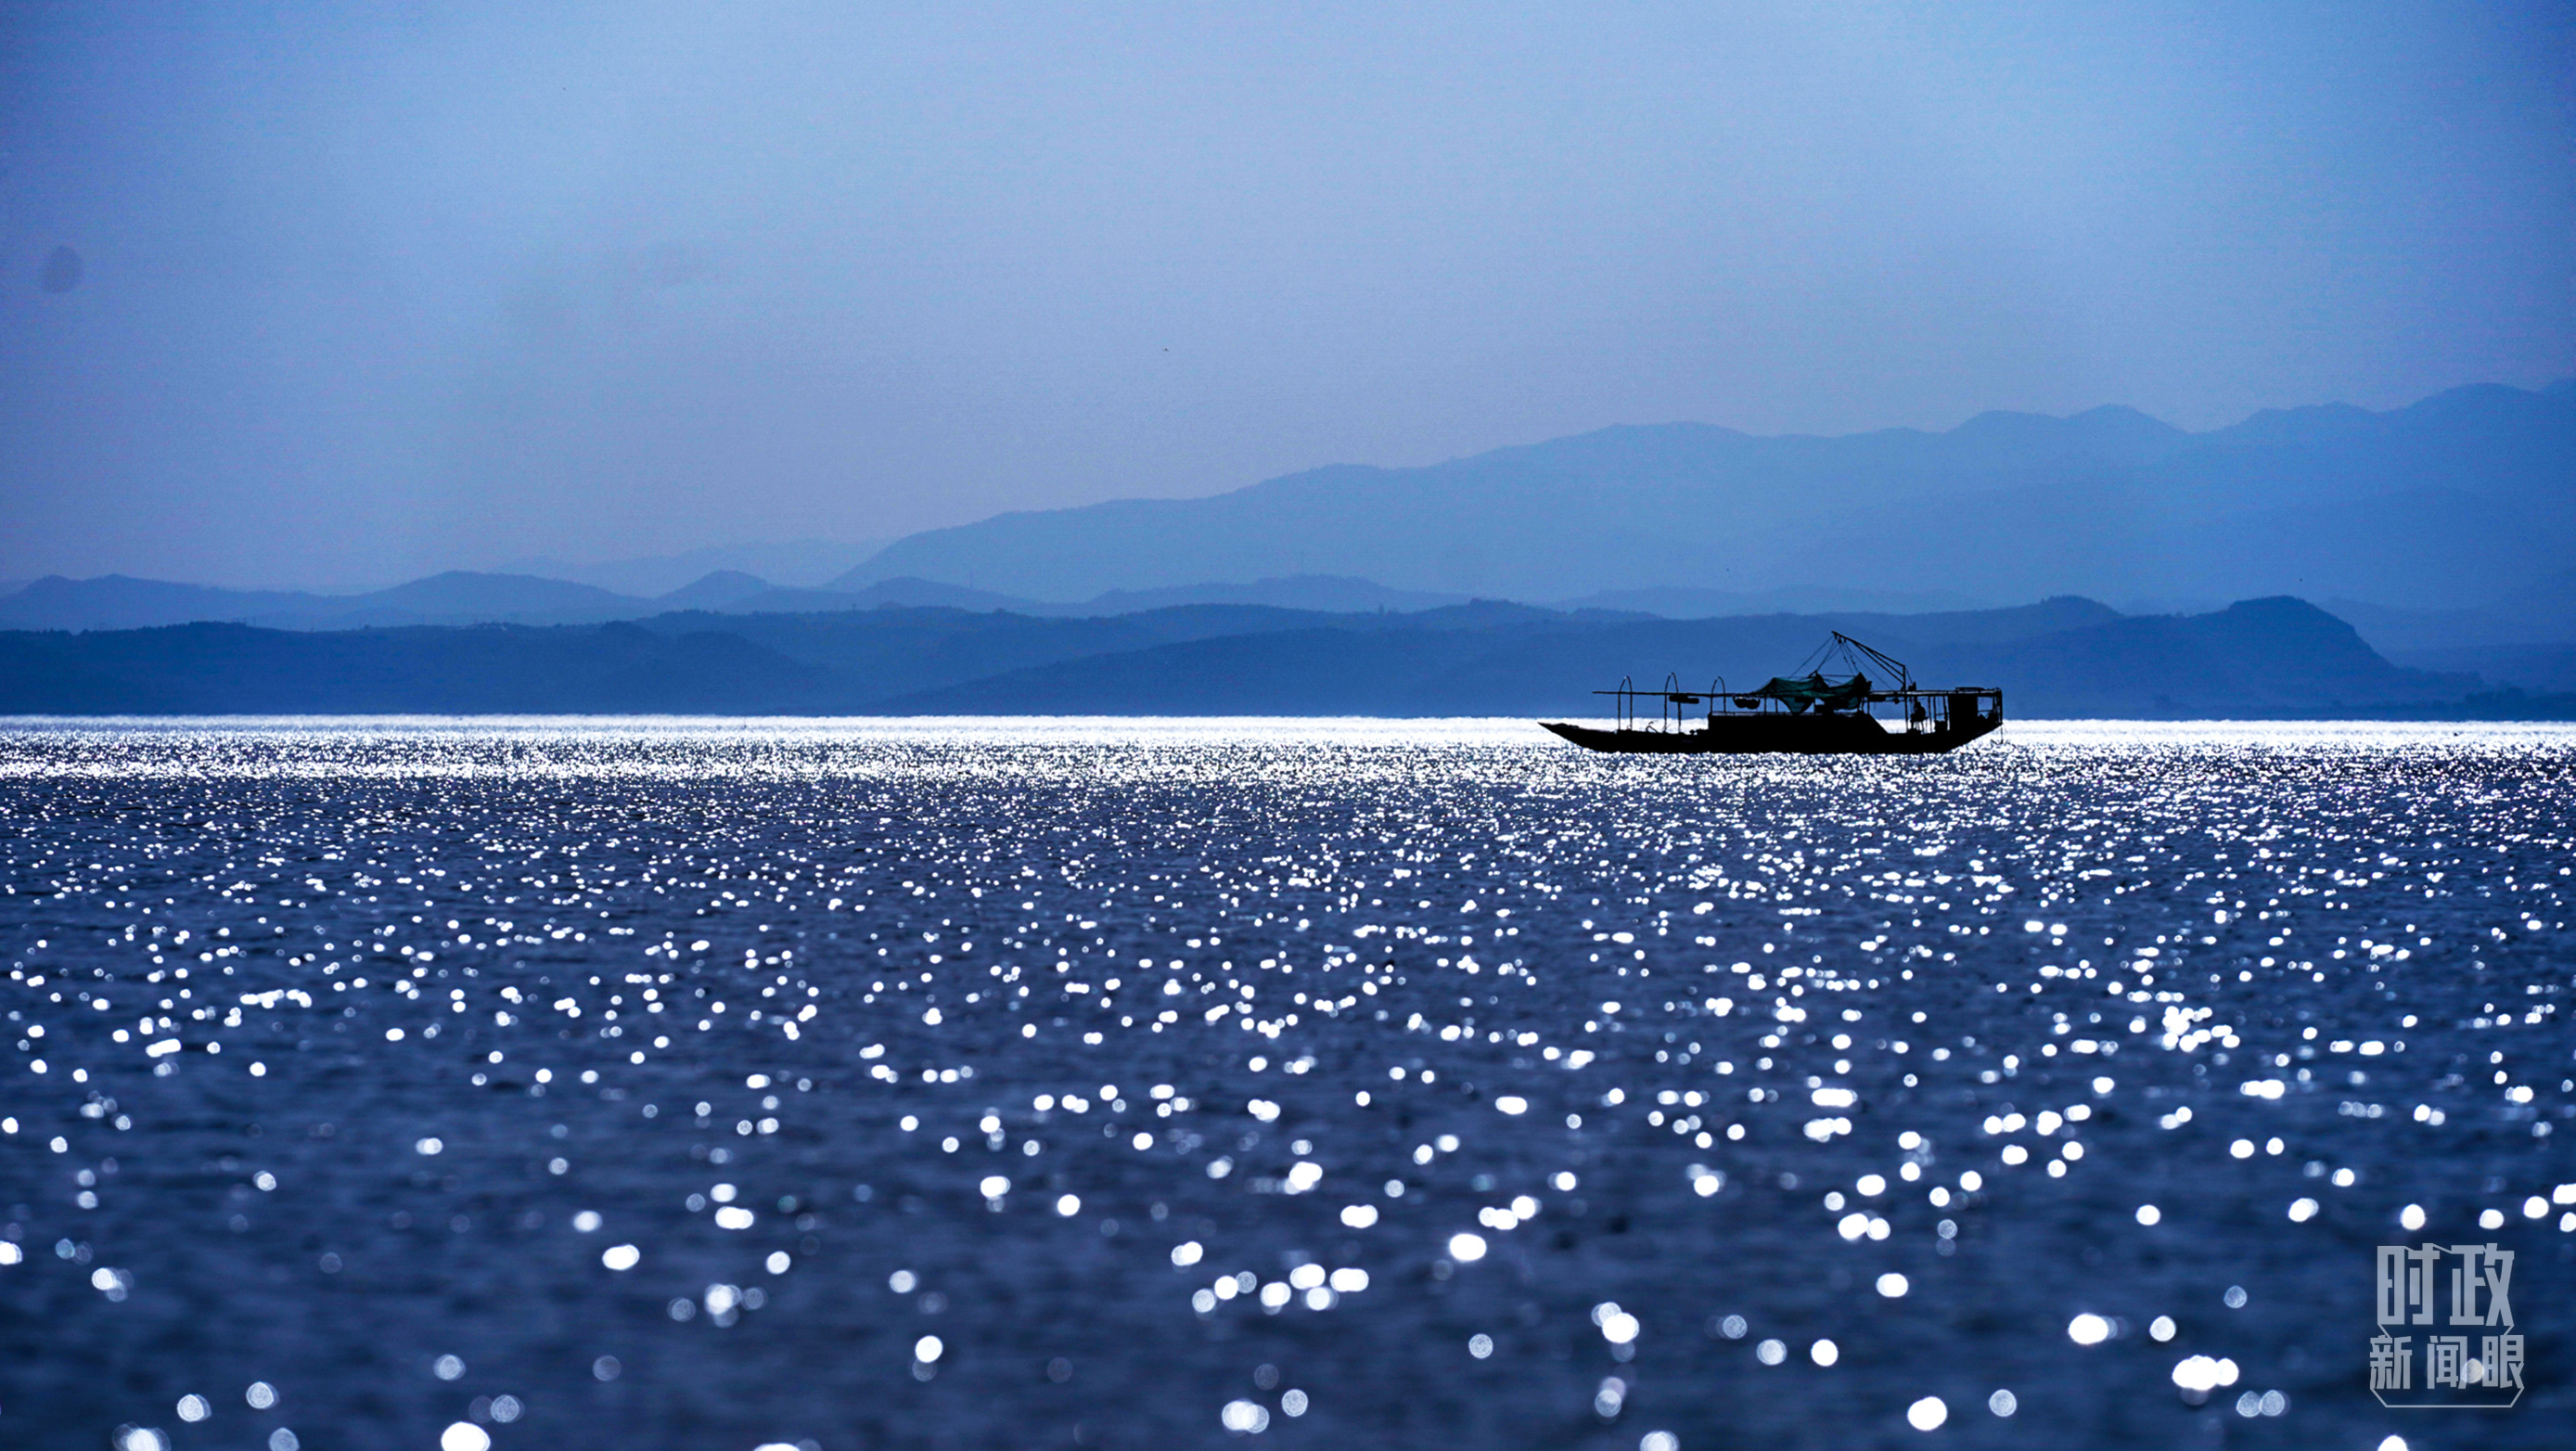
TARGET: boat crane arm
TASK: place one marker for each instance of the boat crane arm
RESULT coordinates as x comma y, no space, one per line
1904,677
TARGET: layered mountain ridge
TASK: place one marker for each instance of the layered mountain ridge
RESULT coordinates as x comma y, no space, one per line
2439,530
2272,658
2436,505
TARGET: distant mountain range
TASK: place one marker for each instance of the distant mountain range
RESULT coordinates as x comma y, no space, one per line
2445,504
2065,657
797,563
2441,531
117,602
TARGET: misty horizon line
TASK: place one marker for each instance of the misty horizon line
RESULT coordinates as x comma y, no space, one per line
534,561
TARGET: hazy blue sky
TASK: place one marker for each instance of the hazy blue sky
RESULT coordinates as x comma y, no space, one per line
370,290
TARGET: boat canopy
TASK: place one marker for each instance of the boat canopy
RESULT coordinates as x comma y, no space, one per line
1812,691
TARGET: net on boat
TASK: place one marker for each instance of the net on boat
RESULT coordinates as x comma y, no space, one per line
1814,692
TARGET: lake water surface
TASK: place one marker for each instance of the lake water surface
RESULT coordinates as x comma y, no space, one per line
1341,1084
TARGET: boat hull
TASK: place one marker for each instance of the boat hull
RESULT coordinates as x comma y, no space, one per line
1763,735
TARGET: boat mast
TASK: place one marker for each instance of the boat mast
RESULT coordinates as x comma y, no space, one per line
1904,677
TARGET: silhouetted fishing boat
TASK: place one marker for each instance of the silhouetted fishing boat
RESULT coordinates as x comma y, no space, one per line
1807,714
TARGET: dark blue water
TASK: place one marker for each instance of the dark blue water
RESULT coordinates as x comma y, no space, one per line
1158,1084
